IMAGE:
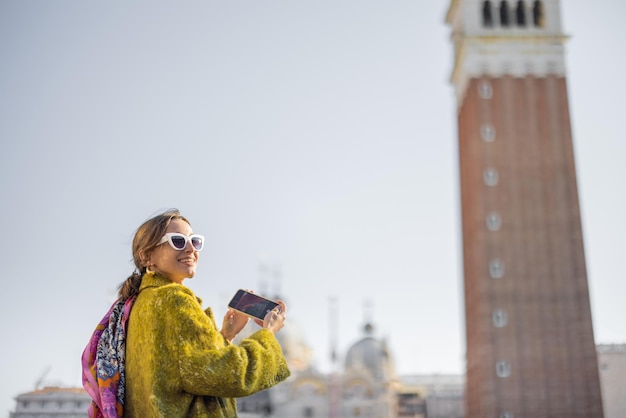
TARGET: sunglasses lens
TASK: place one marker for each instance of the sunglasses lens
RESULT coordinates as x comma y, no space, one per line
178,241
197,243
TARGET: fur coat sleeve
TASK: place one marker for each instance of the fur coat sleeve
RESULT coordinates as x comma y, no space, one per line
179,365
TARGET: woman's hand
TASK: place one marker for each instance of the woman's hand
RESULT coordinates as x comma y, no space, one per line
233,323
275,319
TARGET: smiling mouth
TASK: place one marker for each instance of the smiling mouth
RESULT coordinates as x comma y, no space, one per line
187,260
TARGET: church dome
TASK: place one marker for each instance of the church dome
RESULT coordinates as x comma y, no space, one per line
370,355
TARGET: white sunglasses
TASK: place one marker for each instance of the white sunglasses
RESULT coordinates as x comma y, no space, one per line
179,241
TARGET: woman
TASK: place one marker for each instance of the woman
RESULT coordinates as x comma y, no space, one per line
177,362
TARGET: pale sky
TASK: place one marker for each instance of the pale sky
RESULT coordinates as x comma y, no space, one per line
318,137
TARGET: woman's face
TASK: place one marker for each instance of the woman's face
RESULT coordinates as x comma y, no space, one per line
173,264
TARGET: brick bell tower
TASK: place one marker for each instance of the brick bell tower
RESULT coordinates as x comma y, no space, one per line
530,345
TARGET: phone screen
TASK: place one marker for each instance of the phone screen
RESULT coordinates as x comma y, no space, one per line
251,304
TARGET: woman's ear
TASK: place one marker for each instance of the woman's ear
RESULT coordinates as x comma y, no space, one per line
144,257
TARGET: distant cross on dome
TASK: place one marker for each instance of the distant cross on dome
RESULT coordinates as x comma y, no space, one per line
368,316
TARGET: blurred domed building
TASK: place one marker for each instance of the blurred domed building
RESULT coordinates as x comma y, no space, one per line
370,356
366,386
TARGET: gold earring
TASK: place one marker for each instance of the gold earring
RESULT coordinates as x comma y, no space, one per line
149,265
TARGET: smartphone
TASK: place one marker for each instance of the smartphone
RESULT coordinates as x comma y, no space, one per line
253,305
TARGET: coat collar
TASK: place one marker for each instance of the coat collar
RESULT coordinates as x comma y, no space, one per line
156,280
151,279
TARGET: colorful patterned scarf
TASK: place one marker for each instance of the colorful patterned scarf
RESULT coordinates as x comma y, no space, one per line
103,363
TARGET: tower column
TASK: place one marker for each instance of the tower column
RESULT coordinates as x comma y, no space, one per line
530,345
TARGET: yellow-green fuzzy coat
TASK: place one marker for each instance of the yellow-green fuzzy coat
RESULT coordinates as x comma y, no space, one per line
178,364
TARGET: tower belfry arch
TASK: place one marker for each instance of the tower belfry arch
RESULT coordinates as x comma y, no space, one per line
529,335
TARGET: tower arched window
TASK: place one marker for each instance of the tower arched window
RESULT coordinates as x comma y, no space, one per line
490,176
520,13
487,14
485,90
494,222
487,132
499,318
496,269
503,368
504,13
538,17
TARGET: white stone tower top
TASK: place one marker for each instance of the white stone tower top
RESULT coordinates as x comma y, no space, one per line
505,37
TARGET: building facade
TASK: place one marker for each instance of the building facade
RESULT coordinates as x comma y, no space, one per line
530,342
52,402
366,386
612,364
